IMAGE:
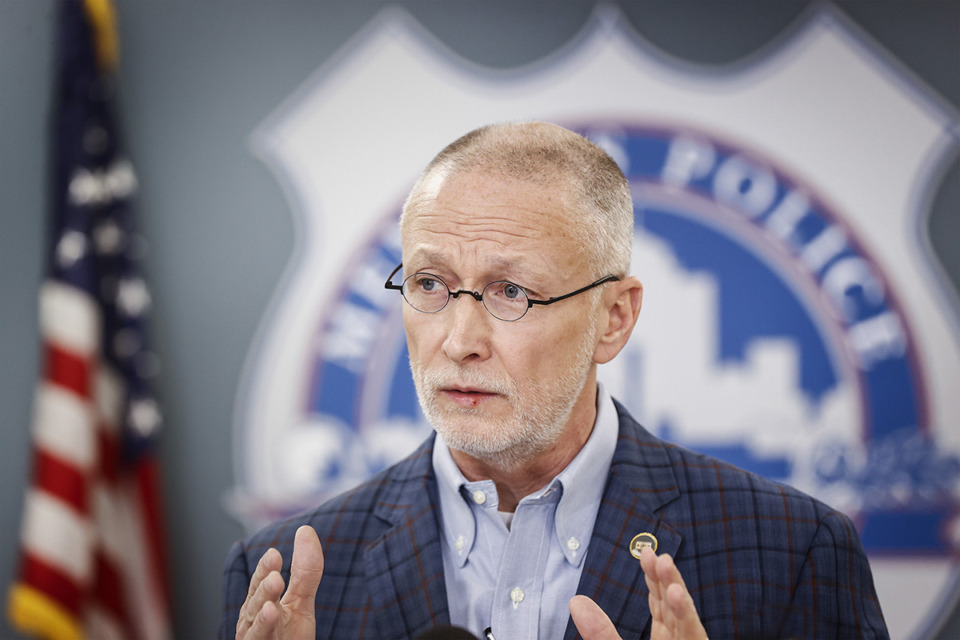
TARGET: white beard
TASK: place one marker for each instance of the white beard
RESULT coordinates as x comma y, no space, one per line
539,415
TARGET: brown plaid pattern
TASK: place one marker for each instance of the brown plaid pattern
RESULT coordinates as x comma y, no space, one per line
761,560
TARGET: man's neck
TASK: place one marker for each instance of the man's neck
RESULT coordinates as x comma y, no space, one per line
520,480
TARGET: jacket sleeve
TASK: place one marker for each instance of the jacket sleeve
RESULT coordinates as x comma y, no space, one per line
834,596
236,581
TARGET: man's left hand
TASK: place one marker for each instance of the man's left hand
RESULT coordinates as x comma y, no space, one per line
672,612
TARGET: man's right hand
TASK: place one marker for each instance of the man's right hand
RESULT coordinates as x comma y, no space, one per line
672,612
269,613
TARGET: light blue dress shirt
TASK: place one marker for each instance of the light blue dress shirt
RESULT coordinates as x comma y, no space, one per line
517,574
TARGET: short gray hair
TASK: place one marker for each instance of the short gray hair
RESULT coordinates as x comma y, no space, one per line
547,154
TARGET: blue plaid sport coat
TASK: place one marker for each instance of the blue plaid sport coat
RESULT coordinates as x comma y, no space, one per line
760,559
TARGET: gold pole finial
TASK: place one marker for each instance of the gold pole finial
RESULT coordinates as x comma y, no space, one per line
103,19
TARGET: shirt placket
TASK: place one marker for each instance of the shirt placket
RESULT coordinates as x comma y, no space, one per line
519,591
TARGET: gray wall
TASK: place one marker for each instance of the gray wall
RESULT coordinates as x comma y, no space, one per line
196,78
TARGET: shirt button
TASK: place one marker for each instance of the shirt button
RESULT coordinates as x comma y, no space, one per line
516,594
573,544
479,497
459,543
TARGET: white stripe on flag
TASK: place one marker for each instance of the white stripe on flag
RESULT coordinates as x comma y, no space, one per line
145,597
109,392
57,534
101,625
63,425
69,317
150,605
112,525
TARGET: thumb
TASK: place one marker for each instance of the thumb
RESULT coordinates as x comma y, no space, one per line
590,620
306,569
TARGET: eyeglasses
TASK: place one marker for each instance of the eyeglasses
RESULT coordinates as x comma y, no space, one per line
504,300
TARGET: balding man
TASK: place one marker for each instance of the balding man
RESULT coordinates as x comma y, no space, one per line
541,508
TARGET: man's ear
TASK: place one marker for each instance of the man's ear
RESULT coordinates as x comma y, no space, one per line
622,304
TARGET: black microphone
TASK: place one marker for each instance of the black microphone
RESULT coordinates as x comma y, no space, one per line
446,632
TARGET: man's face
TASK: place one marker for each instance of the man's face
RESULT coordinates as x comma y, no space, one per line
499,391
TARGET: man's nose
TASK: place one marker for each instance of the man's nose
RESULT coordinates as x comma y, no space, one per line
468,328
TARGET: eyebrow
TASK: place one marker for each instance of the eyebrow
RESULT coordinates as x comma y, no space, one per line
426,256
498,263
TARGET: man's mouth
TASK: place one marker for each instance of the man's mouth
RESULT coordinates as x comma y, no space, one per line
466,396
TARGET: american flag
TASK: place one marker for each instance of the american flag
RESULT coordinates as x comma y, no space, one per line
92,546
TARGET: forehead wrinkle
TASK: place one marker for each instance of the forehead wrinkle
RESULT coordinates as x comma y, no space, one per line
436,256
471,226
474,229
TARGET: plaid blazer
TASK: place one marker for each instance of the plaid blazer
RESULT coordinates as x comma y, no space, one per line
761,559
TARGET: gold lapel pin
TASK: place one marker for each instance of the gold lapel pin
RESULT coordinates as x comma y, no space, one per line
640,541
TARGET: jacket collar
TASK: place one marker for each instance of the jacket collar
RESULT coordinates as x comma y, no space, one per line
404,567
641,482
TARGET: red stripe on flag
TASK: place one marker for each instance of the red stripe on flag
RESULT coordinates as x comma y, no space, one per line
149,486
51,581
110,456
61,479
68,370
109,590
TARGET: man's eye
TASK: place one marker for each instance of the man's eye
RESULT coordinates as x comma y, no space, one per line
512,291
429,284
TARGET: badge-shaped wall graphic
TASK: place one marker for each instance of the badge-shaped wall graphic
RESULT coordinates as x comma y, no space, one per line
793,321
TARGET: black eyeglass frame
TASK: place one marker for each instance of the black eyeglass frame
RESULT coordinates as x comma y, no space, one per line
479,296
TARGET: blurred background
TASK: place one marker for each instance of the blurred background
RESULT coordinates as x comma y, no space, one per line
196,78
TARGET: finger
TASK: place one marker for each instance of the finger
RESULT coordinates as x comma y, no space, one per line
668,577
648,562
668,573
271,561
686,622
260,612
591,622
679,614
306,569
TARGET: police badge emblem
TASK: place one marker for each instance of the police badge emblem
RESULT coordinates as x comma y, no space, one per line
792,323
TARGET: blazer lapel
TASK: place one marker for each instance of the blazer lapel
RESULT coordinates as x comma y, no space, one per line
404,567
641,482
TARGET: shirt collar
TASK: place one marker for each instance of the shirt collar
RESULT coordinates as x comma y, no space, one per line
459,525
580,485
584,479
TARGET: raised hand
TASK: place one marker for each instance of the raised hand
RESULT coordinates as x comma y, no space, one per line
591,621
269,613
673,614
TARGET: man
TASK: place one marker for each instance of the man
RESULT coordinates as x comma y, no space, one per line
541,494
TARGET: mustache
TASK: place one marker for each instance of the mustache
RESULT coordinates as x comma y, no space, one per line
454,377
